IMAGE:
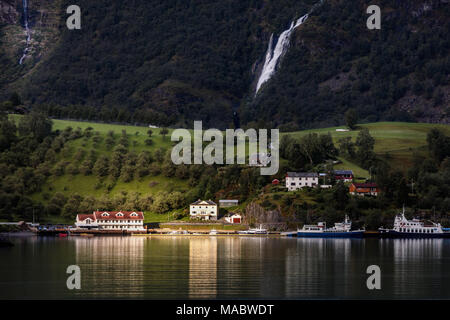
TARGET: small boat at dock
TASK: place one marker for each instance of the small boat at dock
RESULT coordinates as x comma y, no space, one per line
259,230
178,232
289,234
340,230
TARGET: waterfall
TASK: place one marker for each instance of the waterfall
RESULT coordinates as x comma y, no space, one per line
273,55
27,30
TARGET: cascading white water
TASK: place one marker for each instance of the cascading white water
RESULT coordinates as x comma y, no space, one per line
273,55
27,30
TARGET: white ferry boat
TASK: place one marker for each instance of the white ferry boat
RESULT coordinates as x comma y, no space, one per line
415,228
259,230
340,230
213,232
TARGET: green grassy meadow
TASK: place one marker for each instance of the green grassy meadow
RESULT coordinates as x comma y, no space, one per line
394,141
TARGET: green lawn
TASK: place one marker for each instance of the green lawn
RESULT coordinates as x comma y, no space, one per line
396,139
359,173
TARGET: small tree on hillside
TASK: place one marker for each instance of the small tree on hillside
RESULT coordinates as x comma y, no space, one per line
351,118
163,132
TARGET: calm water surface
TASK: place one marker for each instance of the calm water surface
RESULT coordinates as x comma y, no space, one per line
224,267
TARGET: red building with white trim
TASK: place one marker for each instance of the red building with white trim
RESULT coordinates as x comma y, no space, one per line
111,220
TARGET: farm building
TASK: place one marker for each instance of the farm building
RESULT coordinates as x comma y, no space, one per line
235,218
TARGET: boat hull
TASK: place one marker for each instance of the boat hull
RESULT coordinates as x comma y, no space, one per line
410,235
351,234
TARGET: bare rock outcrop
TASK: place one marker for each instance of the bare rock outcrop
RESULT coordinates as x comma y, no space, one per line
271,219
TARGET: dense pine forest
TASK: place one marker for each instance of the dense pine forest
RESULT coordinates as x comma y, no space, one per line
170,62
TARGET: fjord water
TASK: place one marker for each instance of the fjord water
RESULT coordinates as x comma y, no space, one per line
224,267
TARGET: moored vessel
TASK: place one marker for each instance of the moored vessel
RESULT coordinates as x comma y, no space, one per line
259,230
340,230
415,228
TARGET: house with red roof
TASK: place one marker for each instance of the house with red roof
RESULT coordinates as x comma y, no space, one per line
364,189
111,220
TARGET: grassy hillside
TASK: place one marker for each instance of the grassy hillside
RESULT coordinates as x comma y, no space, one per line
395,142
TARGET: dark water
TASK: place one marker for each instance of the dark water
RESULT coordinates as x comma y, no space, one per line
224,267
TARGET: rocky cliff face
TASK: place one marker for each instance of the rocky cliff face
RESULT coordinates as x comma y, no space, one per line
8,12
272,219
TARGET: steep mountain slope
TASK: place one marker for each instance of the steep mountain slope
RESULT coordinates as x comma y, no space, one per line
43,18
400,72
169,62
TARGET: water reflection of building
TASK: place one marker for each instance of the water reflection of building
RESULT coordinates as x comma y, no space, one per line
203,267
111,266
415,262
319,268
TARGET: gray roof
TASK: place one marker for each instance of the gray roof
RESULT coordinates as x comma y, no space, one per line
343,172
207,201
225,200
302,174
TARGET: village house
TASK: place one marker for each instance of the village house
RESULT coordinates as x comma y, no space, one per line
298,180
364,189
343,175
203,210
111,220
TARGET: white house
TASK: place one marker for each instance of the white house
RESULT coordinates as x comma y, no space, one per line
203,209
111,220
298,180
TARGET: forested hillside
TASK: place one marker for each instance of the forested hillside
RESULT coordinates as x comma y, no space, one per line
169,62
